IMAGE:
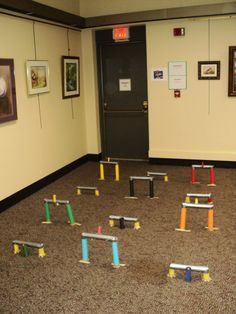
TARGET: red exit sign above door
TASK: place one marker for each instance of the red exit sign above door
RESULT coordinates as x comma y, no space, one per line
120,33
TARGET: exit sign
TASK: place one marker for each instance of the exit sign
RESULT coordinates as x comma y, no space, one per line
120,34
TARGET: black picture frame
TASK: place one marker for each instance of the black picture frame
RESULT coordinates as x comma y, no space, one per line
208,70
232,71
70,77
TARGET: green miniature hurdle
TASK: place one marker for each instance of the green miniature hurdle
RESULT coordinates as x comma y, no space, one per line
56,202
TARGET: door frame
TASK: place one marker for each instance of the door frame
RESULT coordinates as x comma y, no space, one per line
103,37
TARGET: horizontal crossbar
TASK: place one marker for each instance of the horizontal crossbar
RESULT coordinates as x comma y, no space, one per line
59,202
32,244
98,236
193,205
125,218
203,166
87,187
109,162
149,173
141,178
204,269
198,195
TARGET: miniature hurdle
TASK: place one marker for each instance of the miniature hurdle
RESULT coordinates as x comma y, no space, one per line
188,269
131,186
196,196
87,188
158,174
115,163
212,176
115,254
183,214
122,220
56,202
24,245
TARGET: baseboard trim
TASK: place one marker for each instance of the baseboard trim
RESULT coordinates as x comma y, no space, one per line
34,187
189,162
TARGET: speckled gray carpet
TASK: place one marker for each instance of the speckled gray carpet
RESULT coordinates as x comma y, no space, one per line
58,283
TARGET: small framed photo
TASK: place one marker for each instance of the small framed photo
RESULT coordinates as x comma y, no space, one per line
232,71
37,76
209,70
70,77
8,110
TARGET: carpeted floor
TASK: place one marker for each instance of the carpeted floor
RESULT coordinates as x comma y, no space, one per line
58,283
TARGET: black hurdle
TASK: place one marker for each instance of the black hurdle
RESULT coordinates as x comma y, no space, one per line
146,178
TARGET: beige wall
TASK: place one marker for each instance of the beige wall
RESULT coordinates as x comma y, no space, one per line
89,73
31,149
200,124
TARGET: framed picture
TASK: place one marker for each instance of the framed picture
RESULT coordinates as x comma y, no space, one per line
37,76
232,71
209,70
70,77
7,91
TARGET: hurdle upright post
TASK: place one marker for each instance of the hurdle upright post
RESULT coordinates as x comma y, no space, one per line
70,214
115,255
85,256
131,187
151,189
193,181
47,213
117,172
212,177
101,172
183,215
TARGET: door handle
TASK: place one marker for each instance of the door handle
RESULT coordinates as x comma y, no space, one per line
105,106
145,105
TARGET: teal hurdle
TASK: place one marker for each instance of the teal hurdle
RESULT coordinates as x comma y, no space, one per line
115,254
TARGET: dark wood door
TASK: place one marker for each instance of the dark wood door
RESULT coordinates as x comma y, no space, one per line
123,97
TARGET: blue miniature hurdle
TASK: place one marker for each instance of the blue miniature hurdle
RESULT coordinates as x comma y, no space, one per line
115,254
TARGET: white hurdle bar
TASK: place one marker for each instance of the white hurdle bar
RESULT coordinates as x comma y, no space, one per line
158,174
196,196
115,254
183,214
202,269
122,219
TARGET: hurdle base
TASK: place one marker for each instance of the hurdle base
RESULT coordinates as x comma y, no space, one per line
206,278
101,179
84,262
47,222
211,184
195,182
214,228
156,197
132,197
75,224
182,230
117,266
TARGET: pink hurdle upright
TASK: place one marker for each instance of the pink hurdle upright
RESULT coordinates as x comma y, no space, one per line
202,166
